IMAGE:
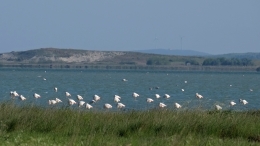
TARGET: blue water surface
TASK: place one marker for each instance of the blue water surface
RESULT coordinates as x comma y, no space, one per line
216,87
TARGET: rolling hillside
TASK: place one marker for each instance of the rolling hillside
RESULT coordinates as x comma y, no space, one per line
54,55
72,58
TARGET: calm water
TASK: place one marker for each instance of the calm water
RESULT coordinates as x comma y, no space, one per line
214,86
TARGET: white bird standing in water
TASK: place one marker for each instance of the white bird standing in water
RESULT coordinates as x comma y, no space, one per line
14,93
135,95
107,106
124,80
162,105
79,97
81,103
116,96
96,98
71,101
120,105
182,90
52,102
35,95
199,96
232,103
167,96
22,97
67,94
243,101
218,107
157,96
149,100
177,105
88,106
58,100
55,89
116,99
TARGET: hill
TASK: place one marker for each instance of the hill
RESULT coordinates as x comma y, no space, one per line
54,55
73,58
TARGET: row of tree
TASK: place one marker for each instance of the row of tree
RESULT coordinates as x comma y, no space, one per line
206,62
225,61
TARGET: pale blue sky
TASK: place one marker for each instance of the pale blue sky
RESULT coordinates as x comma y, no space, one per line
215,27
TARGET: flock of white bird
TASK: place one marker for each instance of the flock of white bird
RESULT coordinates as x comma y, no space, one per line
117,98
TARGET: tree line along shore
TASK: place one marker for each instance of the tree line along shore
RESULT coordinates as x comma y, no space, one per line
135,67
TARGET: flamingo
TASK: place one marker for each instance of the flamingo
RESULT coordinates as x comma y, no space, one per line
116,96
22,97
120,105
79,97
71,101
177,105
58,100
157,96
81,103
167,96
232,103
135,95
35,95
199,96
88,106
67,94
116,99
243,101
162,105
107,106
218,107
96,98
52,102
14,93
149,100
55,89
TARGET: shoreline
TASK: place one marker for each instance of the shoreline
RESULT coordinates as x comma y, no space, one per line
136,67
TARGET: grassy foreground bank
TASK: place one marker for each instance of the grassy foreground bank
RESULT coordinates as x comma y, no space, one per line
51,126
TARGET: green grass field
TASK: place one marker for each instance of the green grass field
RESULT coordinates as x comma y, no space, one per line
29,125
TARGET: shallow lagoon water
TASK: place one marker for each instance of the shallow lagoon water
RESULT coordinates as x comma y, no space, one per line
216,87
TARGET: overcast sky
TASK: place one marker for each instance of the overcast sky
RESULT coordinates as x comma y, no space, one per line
215,27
